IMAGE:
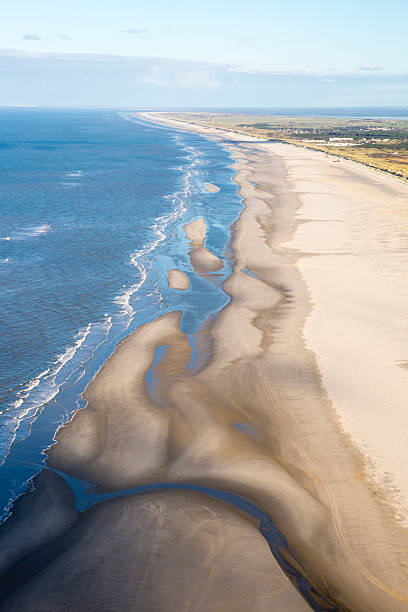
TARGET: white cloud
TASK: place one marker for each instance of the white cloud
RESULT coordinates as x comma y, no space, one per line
243,39
31,37
119,80
189,73
163,75
136,32
373,68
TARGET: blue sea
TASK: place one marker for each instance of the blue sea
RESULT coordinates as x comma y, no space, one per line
93,204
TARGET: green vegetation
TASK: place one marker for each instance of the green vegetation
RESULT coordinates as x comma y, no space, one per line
379,143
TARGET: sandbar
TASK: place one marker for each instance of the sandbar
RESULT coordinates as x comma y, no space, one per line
211,188
177,279
202,260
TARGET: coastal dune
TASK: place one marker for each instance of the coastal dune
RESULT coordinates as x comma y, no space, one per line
265,417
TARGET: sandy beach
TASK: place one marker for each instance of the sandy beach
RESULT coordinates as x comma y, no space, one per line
299,407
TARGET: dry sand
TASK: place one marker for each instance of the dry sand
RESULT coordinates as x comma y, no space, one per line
353,242
265,418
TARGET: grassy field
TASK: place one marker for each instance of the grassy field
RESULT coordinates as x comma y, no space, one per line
379,143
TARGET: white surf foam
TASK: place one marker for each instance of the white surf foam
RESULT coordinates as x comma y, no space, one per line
70,366
29,232
37,230
44,387
141,258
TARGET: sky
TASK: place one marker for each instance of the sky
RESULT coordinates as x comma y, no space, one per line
166,53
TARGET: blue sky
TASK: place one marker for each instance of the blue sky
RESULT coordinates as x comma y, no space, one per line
196,53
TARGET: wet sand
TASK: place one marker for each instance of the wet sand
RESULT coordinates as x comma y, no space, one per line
265,418
202,260
211,188
177,279
157,552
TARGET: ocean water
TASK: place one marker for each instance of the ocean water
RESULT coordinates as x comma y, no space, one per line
93,204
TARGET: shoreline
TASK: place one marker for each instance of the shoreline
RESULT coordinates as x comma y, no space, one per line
385,481
382,489
340,156
255,421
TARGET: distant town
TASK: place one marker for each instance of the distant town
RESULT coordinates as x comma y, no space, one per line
379,143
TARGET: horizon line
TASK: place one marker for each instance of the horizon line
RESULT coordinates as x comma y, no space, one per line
171,108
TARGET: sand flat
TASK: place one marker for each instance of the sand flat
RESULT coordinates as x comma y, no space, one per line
261,419
160,552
